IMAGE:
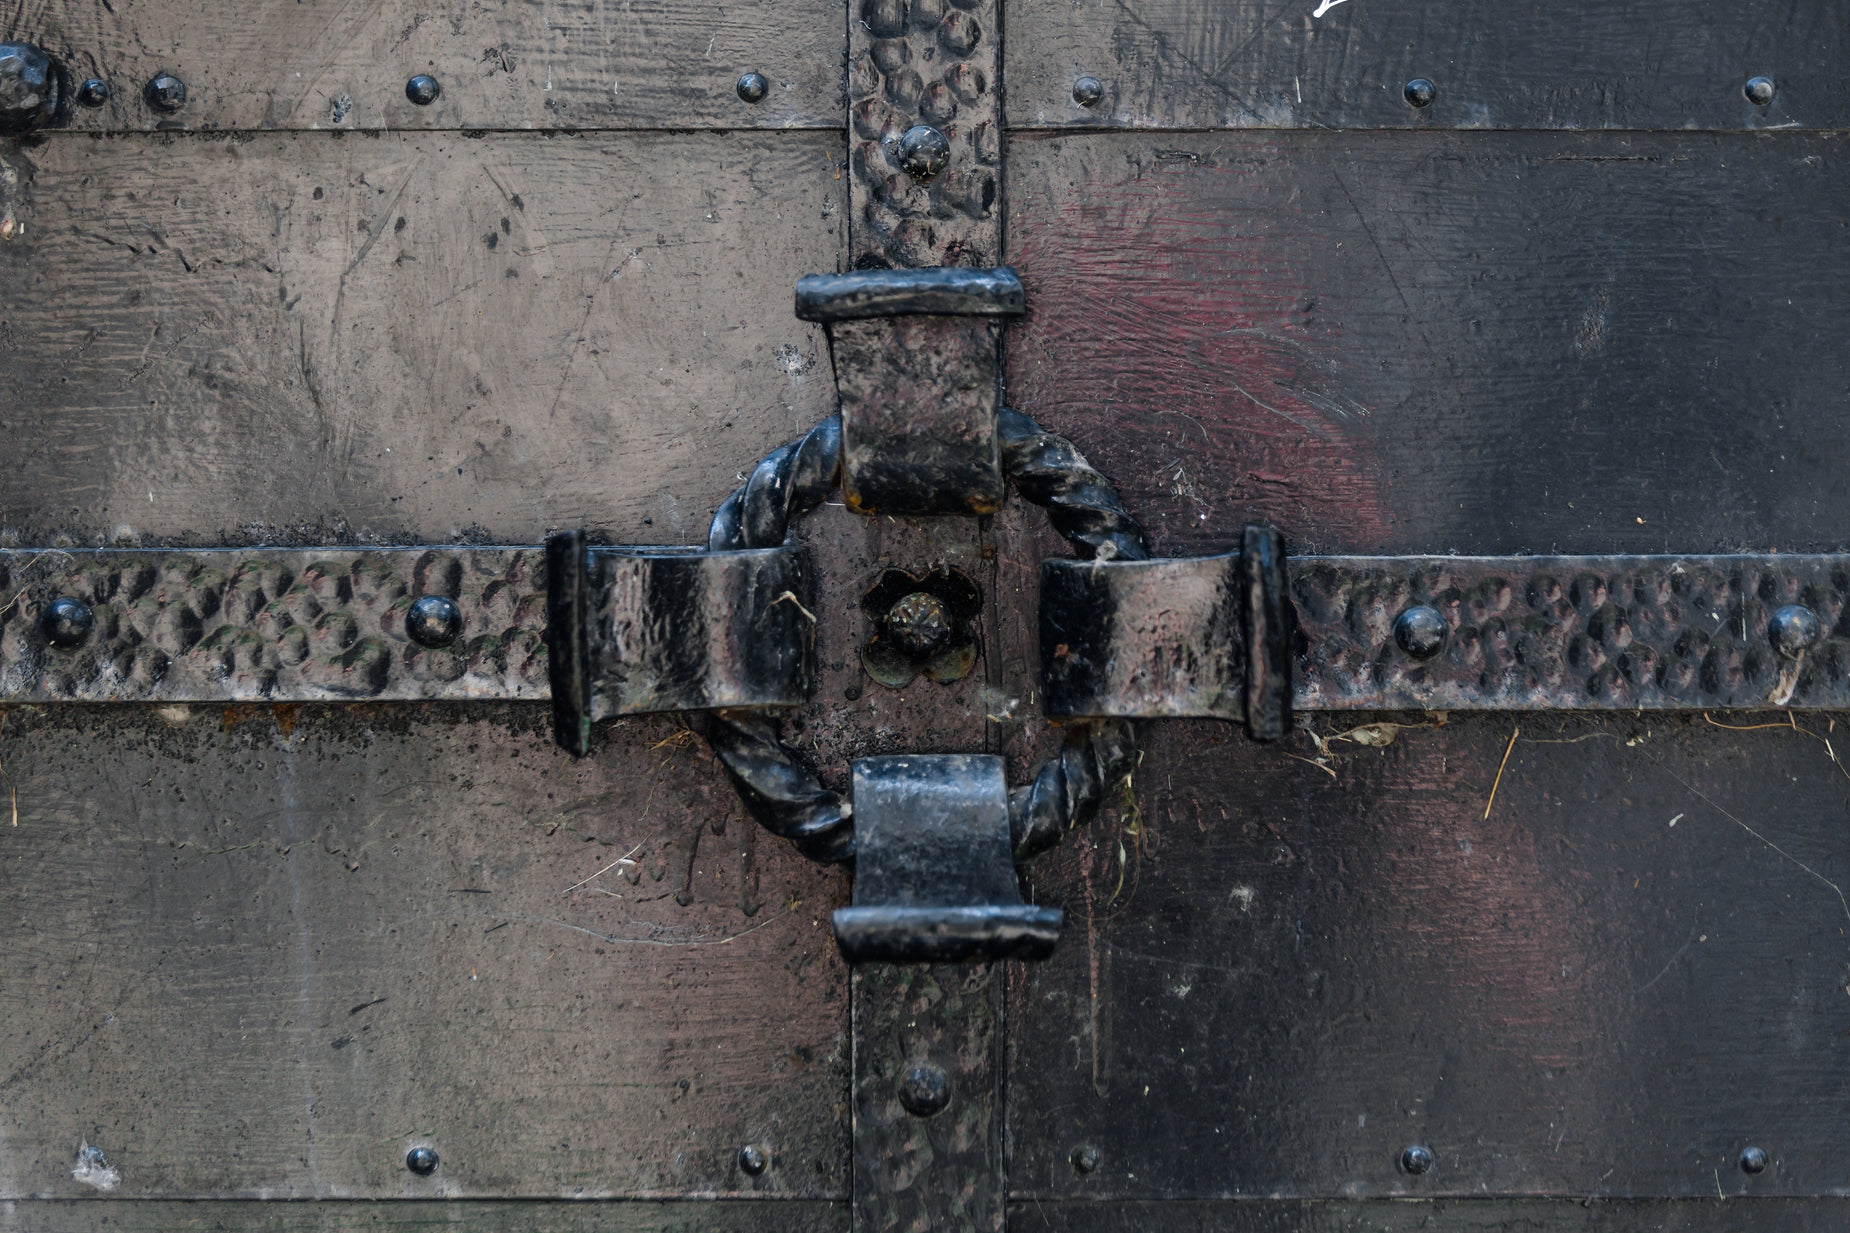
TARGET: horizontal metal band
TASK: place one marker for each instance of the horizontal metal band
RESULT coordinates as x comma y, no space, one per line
946,934
1156,638
939,291
672,630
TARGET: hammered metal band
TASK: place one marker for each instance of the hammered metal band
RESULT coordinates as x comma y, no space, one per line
1160,638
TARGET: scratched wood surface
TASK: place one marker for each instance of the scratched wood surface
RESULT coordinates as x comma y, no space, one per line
310,339
1471,1216
262,954
1444,342
1279,975
155,1216
1579,64
324,64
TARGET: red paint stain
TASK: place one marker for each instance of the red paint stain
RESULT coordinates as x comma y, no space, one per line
1179,343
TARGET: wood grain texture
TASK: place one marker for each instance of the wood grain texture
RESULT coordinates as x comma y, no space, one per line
416,338
261,953
1469,1216
156,1216
604,64
1579,64
1471,342
1280,974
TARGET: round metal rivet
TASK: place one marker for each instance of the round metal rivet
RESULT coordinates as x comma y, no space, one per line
1792,629
29,84
94,92
1085,1158
753,1160
1753,1160
1420,92
434,620
1759,90
753,87
423,89
67,622
923,152
1087,91
1420,631
919,623
166,93
1416,1159
924,1089
421,1161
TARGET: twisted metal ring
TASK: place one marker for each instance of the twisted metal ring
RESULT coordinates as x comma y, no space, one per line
784,796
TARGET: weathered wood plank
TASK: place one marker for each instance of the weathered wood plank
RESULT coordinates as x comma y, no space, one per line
1573,65
311,339
1282,974
156,1216
282,64
1444,342
1469,1216
262,953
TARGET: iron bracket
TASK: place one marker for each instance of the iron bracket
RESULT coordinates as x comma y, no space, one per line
934,878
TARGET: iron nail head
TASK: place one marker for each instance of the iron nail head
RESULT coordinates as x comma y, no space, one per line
923,152
1759,90
421,1161
1417,1159
1420,92
94,92
753,87
433,621
67,622
423,89
1087,91
752,1160
1792,629
924,1089
1085,1158
1420,631
1753,1160
165,93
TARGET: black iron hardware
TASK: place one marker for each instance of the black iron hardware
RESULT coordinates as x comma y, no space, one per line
34,88
934,876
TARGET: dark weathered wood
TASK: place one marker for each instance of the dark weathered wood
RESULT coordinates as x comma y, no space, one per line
155,1216
414,338
1470,342
1279,975
1643,64
261,953
280,64
1465,1216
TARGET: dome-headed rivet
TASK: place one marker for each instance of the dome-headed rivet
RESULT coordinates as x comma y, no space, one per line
94,92
753,1160
924,1089
1417,1159
1087,91
434,620
67,622
421,1161
1759,90
1420,92
165,94
1792,629
923,152
753,87
423,89
1420,631
1753,1160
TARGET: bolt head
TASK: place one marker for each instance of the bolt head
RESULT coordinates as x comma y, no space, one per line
1759,90
1753,1160
94,92
67,622
423,89
166,93
1420,631
923,152
28,87
753,87
1792,629
1087,91
752,1160
421,1161
924,1089
1417,1159
434,620
919,623
1420,92
1085,1158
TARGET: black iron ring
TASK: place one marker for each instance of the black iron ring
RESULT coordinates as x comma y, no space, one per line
787,799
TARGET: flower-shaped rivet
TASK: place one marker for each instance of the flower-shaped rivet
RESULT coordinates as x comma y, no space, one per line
922,623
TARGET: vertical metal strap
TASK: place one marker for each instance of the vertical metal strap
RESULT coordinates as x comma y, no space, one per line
1268,634
568,639
928,65
927,1105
